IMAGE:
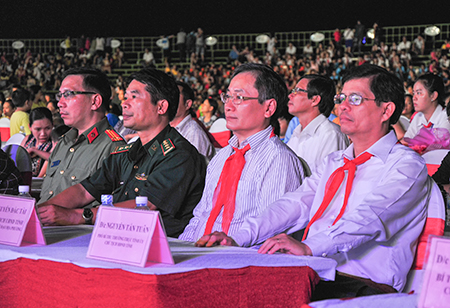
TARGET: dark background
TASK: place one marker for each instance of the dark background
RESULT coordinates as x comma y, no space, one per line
57,19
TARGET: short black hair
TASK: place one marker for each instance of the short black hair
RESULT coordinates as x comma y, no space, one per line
93,80
160,86
325,88
20,96
40,113
186,90
384,85
269,85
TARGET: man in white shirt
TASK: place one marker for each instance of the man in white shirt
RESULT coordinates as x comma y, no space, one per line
404,45
188,127
370,222
311,101
267,169
148,58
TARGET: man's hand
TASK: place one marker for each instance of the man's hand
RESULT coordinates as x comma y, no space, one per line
286,244
216,238
53,215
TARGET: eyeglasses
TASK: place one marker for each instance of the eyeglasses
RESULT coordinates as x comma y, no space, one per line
70,94
297,90
353,99
236,99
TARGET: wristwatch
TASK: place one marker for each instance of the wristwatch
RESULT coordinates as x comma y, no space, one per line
88,216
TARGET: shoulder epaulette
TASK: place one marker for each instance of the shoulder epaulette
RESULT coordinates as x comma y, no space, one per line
122,148
113,135
167,146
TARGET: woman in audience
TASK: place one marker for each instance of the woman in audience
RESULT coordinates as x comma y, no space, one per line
39,143
429,103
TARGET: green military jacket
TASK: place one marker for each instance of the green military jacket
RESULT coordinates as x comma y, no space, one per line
74,159
168,170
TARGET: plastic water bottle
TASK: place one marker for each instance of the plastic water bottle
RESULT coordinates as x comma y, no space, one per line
107,200
141,203
24,191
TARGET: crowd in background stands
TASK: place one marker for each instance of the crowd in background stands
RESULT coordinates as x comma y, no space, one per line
41,73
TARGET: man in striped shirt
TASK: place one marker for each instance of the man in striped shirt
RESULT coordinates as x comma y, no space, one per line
268,168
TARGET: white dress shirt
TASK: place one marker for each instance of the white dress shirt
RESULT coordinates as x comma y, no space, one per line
271,169
438,118
377,236
191,130
319,138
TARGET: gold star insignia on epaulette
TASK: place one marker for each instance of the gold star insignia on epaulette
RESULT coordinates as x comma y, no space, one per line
122,148
92,135
167,146
113,135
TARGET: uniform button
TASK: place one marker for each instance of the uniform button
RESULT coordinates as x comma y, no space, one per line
72,150
324,255
73,177
136,166
51,192
62,171
136,189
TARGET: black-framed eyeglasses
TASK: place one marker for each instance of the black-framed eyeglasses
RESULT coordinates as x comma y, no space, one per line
353,99
236,99
298,90
70,94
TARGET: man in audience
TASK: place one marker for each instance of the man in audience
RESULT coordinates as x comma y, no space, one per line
83,98
20,122
161,164
370,224
256,168
187,126
311,101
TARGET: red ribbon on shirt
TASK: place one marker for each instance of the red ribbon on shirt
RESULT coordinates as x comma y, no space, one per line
333,184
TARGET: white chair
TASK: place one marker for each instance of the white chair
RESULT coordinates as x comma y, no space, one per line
15,139
433,159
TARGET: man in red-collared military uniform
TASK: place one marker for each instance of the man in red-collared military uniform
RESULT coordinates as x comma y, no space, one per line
83,98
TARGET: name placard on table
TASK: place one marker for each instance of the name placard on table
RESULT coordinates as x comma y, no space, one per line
129,236
436,282
19,223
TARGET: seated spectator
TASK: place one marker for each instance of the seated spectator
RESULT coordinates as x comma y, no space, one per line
429,104
38,143
188,127
8,108
311,101
148,58
20,122
10,177
404,45
256,167
418,45
291,49
381,212
208,110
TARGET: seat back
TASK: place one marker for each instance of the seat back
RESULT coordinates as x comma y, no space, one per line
15,139
434,224
22,159
433,159
220,133
4,134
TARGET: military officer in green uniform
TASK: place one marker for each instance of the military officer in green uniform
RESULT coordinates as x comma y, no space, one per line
161,164
83,98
